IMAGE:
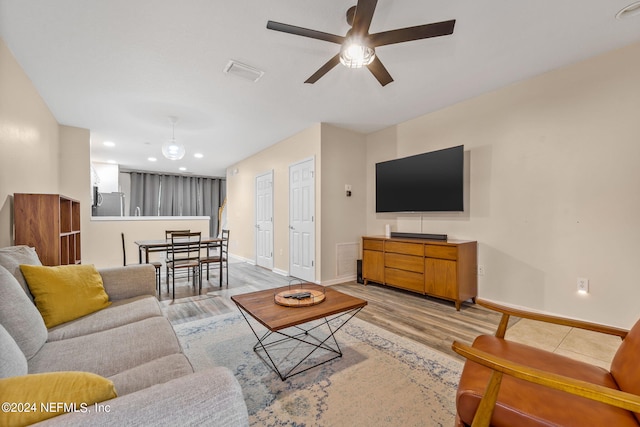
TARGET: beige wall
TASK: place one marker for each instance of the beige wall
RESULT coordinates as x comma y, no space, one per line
343,218
29,141
241,195
75,178
554,182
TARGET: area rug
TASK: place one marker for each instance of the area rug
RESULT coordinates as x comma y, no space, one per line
381,379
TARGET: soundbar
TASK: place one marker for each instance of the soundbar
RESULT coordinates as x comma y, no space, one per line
419,236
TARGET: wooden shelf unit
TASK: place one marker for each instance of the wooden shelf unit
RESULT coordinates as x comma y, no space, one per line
442,269
51,224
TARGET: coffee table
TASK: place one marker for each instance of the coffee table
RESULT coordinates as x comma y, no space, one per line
297,332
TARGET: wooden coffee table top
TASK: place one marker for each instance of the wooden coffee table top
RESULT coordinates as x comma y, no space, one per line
262,307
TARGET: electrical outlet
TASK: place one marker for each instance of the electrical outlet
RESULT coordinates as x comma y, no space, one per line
583,285
480,270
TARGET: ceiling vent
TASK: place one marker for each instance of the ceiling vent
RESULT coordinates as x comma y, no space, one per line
243,71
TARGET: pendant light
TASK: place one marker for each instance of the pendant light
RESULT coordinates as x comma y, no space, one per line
172,149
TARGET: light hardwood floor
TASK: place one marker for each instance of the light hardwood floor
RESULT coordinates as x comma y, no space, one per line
431,321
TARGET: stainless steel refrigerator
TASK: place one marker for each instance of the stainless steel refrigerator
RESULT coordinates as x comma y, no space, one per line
109,204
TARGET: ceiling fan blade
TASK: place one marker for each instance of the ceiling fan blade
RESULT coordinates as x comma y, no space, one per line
419,32
305,32
364,15
324,69
380,73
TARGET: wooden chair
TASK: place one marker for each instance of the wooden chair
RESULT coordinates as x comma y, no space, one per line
505,383
222,257
185,254
156,264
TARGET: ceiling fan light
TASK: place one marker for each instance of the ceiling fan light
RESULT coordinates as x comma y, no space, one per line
356,55
173,150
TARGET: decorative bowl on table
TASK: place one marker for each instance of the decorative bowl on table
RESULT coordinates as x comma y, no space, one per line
300,295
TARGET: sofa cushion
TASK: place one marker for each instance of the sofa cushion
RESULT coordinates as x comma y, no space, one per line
12,360
13,256
156,371
212,397
109,352
130,281
521,403
119,313
19,316
77,390
65,292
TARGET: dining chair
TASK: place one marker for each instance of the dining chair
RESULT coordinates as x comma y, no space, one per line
167,257
221,257
185,254
156,264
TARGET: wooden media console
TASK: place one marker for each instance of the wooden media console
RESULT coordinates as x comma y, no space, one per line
442,269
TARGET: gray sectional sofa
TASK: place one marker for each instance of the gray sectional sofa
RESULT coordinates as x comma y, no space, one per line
131,343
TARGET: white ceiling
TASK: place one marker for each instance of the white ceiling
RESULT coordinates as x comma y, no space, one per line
120,68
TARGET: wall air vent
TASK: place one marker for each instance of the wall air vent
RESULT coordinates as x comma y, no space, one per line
243,71
346,256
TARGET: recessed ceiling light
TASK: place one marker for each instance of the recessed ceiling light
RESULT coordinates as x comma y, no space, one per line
112,162
109,144
198,155
182,168
632,10
152,159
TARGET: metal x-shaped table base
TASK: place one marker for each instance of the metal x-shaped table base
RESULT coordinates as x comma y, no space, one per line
329,343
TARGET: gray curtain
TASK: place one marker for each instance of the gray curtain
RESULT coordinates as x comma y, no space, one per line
177,195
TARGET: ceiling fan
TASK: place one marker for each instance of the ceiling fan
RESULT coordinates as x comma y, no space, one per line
358,46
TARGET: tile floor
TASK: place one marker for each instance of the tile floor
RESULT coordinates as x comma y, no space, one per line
590,347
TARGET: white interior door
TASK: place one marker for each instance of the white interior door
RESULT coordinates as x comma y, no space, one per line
302,220
264,220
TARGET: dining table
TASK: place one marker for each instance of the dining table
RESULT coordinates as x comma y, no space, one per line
163,245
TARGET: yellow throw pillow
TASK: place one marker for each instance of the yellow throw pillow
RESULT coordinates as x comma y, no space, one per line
65,292
28,399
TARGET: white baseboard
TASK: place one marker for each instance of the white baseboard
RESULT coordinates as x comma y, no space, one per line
238,258
285,273
339,280
280,272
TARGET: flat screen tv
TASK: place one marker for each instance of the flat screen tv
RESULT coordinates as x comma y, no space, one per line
428,182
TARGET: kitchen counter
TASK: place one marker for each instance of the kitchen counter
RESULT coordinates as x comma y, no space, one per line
148,218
